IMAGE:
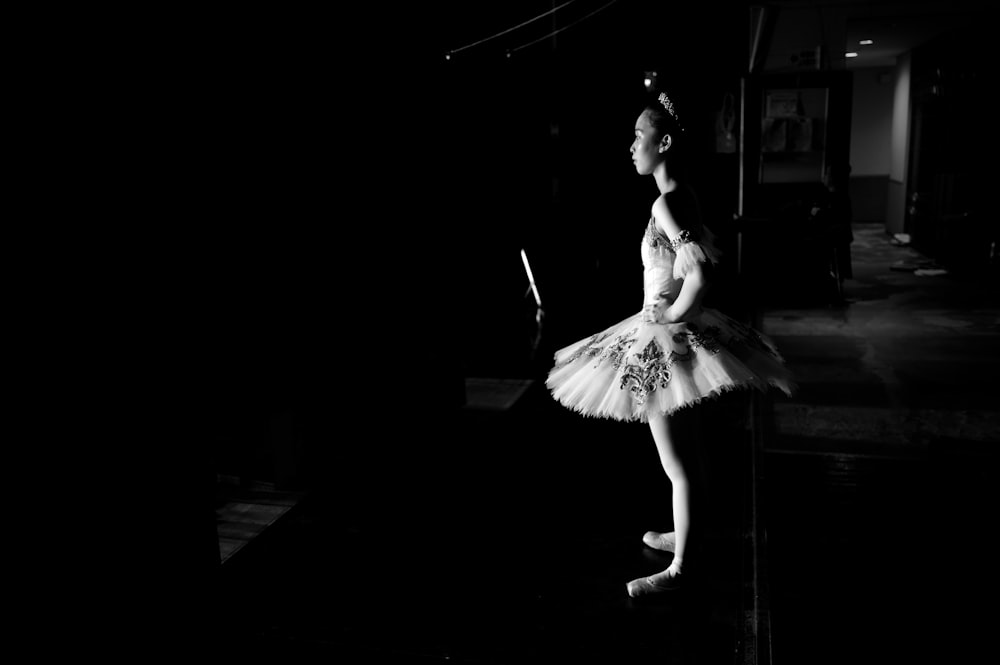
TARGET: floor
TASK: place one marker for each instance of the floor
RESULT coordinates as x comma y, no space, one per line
878,476
244,510
522,556
508,533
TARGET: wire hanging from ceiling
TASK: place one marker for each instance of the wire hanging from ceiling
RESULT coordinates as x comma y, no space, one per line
509,30
565,27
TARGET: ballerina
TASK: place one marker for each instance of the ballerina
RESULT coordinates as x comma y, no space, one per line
673,353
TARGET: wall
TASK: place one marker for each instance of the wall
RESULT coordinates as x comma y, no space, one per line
871,122
871,131
895,216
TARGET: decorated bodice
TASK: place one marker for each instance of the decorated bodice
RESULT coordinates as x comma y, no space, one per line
665,261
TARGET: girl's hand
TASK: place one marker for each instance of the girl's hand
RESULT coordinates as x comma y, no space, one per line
658,312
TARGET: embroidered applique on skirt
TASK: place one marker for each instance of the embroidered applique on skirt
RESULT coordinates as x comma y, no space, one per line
634,368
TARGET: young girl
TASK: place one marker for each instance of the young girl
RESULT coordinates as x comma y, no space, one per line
674,352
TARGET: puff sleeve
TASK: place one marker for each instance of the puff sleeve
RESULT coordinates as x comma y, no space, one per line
689,251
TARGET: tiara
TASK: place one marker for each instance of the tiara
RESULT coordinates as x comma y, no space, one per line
669,106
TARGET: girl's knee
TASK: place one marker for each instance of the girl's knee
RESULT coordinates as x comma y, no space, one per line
675,471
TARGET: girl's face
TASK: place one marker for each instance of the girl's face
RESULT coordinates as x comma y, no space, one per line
646,154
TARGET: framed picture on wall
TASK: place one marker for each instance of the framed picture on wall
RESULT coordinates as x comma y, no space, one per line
792,140
782,104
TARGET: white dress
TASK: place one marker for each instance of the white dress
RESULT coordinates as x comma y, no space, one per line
634,368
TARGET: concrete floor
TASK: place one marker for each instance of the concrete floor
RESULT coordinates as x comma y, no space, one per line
879,474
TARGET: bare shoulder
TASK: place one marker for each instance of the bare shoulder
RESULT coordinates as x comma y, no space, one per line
666,216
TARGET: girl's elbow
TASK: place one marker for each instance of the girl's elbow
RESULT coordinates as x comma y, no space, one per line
696,273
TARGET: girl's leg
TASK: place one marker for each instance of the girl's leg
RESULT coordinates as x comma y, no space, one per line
691,432
676,470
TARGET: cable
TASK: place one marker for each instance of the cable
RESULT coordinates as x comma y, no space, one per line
567,27
504,32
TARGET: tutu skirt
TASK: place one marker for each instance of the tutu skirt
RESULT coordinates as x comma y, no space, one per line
634,369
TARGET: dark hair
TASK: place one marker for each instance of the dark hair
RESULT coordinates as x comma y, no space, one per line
666,119
664,116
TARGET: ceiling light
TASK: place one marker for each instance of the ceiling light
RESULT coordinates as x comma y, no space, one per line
866,42
851,54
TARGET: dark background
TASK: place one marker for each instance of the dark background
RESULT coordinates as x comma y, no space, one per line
318,212
315,211
338,210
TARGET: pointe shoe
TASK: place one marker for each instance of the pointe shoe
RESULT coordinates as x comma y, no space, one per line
669,580
660,541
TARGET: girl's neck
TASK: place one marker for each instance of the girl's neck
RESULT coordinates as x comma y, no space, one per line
664,182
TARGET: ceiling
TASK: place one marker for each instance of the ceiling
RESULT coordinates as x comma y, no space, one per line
896,33
894,27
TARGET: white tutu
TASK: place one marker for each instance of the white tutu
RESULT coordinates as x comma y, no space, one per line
635,368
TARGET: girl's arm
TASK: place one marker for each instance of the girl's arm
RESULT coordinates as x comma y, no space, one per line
695,284
688,301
